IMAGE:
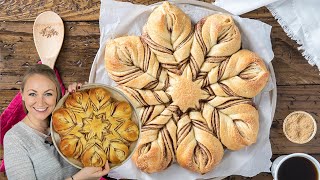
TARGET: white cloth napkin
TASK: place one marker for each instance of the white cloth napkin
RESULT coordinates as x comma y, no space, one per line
239,7
299,19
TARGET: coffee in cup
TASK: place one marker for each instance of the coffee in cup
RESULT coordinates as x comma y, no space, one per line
296,166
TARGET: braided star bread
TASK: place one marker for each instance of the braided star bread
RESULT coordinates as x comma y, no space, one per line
193,88
94,128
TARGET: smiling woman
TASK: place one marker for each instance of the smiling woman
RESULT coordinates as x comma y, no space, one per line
40,93
26,151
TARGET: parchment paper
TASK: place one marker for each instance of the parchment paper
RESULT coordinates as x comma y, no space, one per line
123,18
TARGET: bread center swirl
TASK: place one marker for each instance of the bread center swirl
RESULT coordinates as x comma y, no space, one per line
185,92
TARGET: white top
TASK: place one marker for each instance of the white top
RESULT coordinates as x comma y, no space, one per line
27,156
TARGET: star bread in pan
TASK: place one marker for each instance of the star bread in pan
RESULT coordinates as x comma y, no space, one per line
94,127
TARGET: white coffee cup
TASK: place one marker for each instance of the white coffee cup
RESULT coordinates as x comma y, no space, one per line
277,163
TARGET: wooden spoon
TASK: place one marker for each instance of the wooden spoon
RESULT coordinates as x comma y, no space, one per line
48,34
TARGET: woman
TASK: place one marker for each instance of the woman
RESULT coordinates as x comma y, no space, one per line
27,153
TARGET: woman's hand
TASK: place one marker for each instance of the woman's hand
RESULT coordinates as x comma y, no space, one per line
89,173
74,87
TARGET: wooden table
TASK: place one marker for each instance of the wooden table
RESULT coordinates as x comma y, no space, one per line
298,83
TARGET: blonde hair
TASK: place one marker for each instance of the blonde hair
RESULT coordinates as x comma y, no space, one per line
43,70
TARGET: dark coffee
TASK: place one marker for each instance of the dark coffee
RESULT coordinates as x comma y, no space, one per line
297,168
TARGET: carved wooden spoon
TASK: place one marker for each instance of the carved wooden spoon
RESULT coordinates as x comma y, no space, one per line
48,34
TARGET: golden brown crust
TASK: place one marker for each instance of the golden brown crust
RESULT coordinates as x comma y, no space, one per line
77,101
63,121
198,150
122,110
99,97
215,36
154,156
244,74
129,131
131,63
118,152
168,32
93,154
238,121
141,98
72,145
157,146
185,92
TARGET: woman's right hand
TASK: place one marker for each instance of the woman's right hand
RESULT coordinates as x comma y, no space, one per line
73,87
94,173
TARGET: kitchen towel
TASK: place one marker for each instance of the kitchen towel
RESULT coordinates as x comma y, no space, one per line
301,21
241,6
